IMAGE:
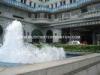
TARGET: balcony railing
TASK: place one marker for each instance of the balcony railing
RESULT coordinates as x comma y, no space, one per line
42,20
46,9
94,13
79,17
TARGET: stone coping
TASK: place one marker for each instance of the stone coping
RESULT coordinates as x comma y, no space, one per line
81,60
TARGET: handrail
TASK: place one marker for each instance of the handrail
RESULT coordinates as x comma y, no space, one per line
79,16
45,9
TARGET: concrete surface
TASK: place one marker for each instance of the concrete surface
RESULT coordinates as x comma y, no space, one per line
81,65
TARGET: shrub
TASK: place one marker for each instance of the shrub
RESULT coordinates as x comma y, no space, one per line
80,48
76,48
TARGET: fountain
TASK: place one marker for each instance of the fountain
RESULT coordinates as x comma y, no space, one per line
14,50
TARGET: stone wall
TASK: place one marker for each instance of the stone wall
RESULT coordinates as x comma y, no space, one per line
7,16
81,65
84,65
27,26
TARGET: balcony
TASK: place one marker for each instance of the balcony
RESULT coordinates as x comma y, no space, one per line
88,18
90,14
80,18
73,5
42,21
95,13
23,6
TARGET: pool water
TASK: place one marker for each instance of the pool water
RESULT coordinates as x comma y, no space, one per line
4,64
72,54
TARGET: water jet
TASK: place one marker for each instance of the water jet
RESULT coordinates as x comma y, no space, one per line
14,50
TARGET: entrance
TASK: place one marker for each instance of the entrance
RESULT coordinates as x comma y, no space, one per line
86,39
36,36
49,36
1,32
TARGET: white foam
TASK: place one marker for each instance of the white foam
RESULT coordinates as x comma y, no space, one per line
14,50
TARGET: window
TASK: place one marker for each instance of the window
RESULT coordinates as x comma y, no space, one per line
41,0
18,17
34,5
45,16
39,5
83,10
51,5
97,6
55,16
60,3
49,16
64,2
71,1
28,33
1,30
74,1
29,15
25,1
30,3
56,5
35,15
55,34
46,0
59,15
47,6
0,12
21,1
24,33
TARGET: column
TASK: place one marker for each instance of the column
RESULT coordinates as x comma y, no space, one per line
56,35
94,37
67,1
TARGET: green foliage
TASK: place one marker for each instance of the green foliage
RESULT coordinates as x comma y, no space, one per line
76,48
80,48
38,45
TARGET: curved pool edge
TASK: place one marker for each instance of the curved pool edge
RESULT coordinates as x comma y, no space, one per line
61,67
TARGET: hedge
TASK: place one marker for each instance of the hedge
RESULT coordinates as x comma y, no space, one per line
76,48
80,48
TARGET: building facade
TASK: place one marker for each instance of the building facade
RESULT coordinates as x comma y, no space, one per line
57,18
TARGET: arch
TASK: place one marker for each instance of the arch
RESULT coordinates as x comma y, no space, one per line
1,34
49,36
36,35
36,32
24,32
1,30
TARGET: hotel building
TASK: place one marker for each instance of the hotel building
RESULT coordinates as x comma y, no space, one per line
53,18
